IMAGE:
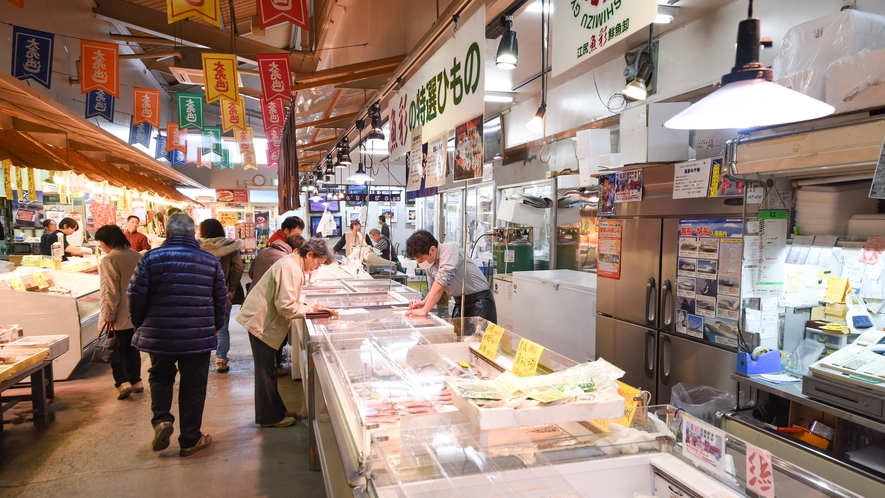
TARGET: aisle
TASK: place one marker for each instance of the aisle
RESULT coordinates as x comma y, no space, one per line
100,446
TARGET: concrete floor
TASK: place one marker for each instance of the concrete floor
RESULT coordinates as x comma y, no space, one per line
99,446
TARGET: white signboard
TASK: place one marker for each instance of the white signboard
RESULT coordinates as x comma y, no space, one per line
435,170
445,92
587,27
692,179
416,169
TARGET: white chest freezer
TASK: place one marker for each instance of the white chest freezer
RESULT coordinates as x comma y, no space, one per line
557,309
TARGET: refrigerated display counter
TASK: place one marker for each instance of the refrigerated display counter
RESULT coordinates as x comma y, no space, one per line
54,302
381,285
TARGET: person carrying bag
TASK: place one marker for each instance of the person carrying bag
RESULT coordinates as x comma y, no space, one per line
106,351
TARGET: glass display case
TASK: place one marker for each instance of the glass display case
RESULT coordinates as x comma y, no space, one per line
428,216
356,300
453,212
542,233
576,232
381,285
481,219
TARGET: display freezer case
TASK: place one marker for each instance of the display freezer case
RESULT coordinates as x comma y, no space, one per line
68,303
356,300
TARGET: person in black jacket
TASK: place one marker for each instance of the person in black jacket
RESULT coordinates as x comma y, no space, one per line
48,238
177,302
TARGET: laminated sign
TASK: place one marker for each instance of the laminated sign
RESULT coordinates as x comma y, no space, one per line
585,28
272,12
220,77
190,111
276,78
207,10
99,103
146,106
233,114
32,55
99,67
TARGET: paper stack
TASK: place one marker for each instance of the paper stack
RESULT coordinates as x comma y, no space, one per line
825,209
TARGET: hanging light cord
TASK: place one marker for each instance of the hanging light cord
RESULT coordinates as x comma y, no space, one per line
545,23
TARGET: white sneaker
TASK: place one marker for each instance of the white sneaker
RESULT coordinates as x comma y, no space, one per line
124,390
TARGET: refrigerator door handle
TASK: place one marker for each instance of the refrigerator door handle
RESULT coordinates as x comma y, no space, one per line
667,304
651,301
649,354
665,359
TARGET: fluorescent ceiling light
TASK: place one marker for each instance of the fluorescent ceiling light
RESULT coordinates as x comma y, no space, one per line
498,97
537,6
663,19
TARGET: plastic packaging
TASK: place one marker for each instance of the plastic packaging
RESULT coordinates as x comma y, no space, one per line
811,82
806,353
702,402
856,82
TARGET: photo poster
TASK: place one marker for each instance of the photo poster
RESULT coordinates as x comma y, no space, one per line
608,250
411,215
721,185
435,167
27,209
628,186
703,444
468,150
708,279
607,195
262,219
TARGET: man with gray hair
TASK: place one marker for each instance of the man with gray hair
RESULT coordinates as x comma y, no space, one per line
177,302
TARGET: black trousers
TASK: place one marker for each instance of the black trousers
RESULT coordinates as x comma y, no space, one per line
194,370
128,369
269,407
481,304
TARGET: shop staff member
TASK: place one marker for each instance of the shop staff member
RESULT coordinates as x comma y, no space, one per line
351,240
68,226
444,265
137,240
292,225
385,228
48,238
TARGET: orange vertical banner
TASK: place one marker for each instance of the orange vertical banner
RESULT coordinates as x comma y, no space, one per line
175,138
99,67
146,106
220,77
207,10
233,115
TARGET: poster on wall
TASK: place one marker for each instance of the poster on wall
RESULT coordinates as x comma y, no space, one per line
628,186
468,150
691,179
606,195
262,219
608,251
435,167
100,212
27,210
232,195
708,269
228,218
722,185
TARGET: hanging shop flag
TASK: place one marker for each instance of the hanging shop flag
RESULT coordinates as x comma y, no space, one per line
276,78
225,160
160,152
18,179
207,10
212,140
273,113
18,3
445,92
99,103
32,55
99,67
140,133
190,111
32,187
273,155
146,106
272,12
220,77
177,139
7,177
178,157
233,114
247,148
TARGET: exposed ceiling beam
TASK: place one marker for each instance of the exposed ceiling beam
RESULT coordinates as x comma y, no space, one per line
326,120
319,146
391,62
155,22
342,79
152,55
150,40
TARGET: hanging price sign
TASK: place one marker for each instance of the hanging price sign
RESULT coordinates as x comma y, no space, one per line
527,356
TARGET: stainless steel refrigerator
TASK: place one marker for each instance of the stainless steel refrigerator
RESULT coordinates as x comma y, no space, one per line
635,323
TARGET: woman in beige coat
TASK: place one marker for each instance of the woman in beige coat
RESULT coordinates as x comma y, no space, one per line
115,271
272,302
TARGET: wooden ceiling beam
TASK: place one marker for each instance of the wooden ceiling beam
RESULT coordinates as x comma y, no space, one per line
391,62
342,79
327,120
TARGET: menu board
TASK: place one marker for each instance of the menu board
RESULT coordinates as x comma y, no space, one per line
708,281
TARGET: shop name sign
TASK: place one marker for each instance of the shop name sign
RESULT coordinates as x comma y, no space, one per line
587,27
445,92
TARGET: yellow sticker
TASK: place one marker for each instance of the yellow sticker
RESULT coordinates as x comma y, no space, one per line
374,395
508,382
629,393
17,284
527,356
490,340
836,287
464,364
548,396
817,313
40,278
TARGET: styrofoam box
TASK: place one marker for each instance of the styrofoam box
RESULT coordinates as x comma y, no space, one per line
517,212
820,42
644,138
56,344
610,406
867,224
856,82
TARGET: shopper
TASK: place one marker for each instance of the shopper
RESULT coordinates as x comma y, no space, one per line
177,302
385,228
227,251
273,302
137,240
445,269
115,272
67,227
48,238
383,251
352,239
263,261
292,225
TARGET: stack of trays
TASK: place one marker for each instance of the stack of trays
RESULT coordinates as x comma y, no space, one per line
825,210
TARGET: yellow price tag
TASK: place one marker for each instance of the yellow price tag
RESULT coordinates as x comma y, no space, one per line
490,340
836,287
629,393
507,382
464,364
41,280
548,396
17,284
527,355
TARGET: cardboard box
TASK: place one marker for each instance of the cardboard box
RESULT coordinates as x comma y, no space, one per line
644,138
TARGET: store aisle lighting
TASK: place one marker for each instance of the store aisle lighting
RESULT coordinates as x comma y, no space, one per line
502,97
536,124
508,48
344,152
748,98
638,88
360,176
375,133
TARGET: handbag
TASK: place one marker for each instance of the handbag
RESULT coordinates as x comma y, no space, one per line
107,351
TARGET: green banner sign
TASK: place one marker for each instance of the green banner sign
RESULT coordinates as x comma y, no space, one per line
190,111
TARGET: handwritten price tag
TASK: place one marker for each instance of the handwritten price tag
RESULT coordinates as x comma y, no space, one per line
527,355
548,396
490,340
17,284
507,382
41,280
760,473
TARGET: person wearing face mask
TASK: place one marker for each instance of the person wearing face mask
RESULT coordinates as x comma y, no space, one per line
266,313
445,267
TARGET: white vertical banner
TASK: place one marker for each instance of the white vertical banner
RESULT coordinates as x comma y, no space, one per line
445,92
585,28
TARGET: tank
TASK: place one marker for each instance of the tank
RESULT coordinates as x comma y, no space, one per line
516,256
567,248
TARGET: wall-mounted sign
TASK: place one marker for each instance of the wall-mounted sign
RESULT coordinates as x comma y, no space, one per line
232,195
445,92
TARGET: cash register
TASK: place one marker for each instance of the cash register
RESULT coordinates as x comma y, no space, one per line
853,377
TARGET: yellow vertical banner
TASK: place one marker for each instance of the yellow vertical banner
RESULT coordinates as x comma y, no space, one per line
63,189
207,10
32,187
18,180
7,177
220,77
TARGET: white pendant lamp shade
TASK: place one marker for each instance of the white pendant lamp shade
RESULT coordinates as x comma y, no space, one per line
360,176
749,103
